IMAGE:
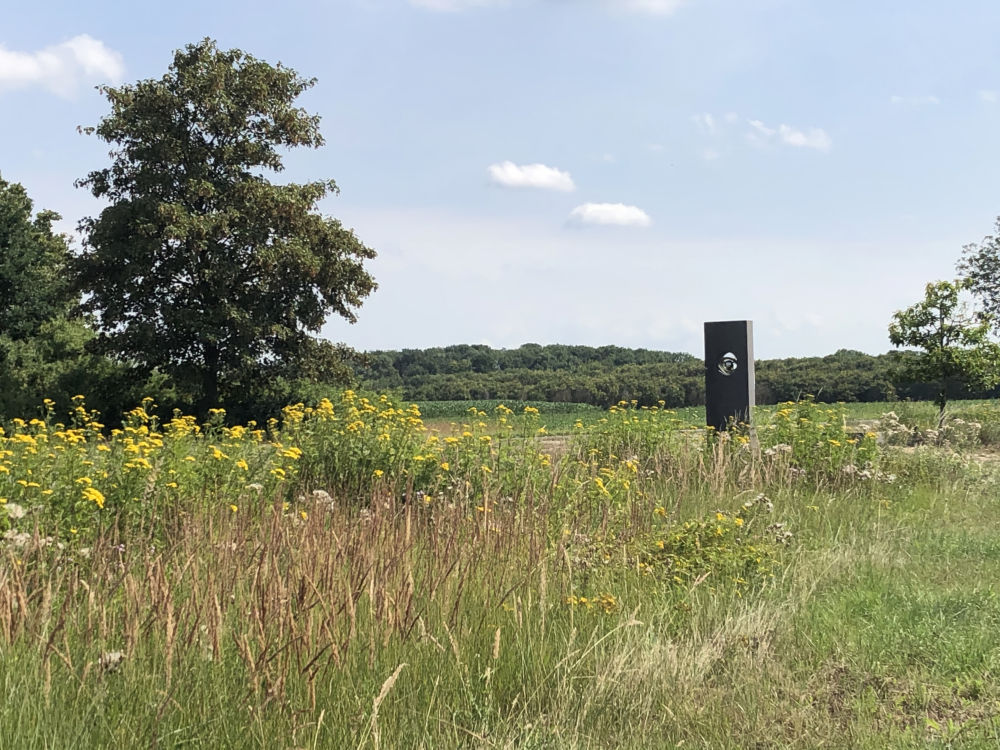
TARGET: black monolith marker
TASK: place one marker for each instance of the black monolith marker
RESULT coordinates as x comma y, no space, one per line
729,374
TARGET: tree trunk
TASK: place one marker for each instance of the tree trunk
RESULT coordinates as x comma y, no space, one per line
941,401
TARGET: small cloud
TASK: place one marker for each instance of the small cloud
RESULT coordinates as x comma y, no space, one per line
610,214
717,128
61,68
815,138
452,6
651,7
509,174
655,7
989,96
609,158
914,101
656,148
759,134
761,128
705,121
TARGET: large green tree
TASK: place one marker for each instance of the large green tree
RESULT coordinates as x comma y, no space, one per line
200,266
34,283
41,343
953,339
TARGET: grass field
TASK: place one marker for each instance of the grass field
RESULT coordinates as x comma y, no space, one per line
344,579
559,418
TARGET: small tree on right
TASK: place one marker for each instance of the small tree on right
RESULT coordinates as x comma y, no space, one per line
954,339
980,265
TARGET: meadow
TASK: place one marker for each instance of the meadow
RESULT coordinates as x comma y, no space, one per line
559,418
346,576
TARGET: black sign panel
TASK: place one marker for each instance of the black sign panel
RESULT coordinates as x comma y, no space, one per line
729,374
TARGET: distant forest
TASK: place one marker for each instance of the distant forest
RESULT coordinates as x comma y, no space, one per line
605,375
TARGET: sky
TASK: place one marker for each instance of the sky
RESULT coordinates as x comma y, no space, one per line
584,171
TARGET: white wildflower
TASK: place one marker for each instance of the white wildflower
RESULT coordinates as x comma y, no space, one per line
111,661
15,511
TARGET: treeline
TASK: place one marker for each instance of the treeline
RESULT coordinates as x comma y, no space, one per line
608,374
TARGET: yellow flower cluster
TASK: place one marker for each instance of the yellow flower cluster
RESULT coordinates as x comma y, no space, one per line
815,437
604,602
75,470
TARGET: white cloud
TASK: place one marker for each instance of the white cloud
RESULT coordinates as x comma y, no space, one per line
61,68
509,174
816,138
651,7
762,135
616,214
989,96
709,122
761,128
448,6
656,7
914,101
717,128
705,121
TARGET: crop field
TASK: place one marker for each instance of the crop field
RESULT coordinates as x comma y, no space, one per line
349,576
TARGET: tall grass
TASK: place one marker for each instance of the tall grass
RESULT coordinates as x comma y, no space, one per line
642,586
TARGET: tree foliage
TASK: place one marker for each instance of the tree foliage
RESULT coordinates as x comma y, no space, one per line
34,282
954,339
200,266
980,265
605,375
41,343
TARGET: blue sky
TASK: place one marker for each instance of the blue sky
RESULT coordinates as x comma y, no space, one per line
586,171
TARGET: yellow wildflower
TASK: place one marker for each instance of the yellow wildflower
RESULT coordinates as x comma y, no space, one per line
94,495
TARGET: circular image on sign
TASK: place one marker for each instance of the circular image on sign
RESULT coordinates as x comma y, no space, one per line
728,364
